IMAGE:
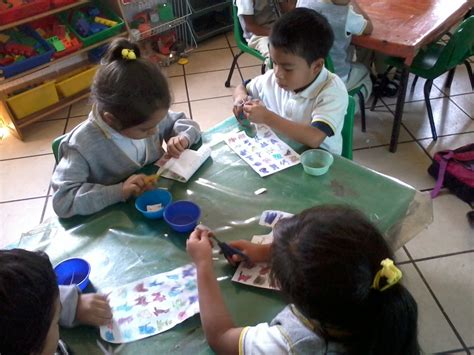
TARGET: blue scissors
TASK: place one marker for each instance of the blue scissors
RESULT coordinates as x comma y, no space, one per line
229,251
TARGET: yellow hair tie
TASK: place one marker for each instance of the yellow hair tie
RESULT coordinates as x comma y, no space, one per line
390,272
128,54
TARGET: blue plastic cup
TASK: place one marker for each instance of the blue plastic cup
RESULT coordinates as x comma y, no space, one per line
73,271
182,216
316,161
153,197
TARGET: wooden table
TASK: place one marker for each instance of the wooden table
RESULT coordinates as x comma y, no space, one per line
401,28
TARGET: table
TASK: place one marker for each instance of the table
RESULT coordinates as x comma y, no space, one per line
122,246
401,28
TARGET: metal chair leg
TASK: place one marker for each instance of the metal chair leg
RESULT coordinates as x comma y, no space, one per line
427,90
449,79
231,71
362,109
413,84
469,71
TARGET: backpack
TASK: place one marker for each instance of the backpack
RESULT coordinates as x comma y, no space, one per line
454,169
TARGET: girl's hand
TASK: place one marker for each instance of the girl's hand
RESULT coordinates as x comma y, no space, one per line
176,145
93,309
135,185
257,253
199,247
256,111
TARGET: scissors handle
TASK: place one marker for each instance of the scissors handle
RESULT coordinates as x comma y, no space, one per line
229,251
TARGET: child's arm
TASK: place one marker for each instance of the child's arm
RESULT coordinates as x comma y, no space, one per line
369,26
179,132
257,253
310,136
74,195
221,333
287,6
253,27
76,308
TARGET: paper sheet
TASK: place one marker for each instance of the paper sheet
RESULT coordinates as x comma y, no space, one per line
258,274
186,165
151,305
265,153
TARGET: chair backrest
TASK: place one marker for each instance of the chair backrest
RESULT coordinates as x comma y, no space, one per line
347,130
329,64
459,47
55,146
239,36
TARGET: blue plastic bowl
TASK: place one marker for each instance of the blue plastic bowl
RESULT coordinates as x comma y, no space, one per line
182,216
153,197
74,271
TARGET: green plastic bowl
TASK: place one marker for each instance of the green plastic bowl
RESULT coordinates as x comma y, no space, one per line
316,161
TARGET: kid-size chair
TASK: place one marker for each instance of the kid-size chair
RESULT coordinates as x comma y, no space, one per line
439,58
242,45
55,146
356,91
348,129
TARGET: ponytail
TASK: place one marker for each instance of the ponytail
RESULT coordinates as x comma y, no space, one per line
129,87
390,325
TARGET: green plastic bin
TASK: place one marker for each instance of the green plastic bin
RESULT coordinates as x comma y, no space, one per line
100,36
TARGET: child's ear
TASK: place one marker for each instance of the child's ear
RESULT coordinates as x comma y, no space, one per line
111,120
317,65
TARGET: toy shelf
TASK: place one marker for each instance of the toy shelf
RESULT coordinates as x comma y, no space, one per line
44,14
61,59
44,73
210,18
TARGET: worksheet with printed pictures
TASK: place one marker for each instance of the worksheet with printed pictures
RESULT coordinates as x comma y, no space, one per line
151,305
257,274
265,153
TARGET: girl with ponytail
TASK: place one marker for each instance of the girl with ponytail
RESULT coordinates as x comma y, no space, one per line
129,121
336,272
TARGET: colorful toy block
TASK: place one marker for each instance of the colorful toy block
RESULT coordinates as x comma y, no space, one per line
20,49
105,21
4,38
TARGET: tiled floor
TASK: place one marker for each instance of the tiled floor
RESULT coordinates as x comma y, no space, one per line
438,264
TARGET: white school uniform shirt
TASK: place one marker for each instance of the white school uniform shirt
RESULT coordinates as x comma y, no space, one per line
324,100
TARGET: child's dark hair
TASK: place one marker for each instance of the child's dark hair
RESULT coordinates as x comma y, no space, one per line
324,260
304,33
28,292
130,89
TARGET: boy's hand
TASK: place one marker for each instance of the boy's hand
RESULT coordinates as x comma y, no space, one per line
239,105
135,185
256,111
176,145
93,309
199,247
257,253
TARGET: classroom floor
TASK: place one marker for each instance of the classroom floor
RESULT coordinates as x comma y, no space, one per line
438,264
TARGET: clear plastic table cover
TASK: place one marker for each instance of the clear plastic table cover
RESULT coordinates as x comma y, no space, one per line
122,246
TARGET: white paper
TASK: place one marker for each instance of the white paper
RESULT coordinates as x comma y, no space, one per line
151,305
183,168
265,153
258,274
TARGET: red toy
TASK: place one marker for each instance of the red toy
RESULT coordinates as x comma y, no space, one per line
20,49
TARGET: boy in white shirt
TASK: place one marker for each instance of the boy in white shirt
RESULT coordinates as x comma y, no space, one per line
346,19
299,97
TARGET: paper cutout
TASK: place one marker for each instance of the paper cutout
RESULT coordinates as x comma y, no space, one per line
265,153
257,275
151,305
183,168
